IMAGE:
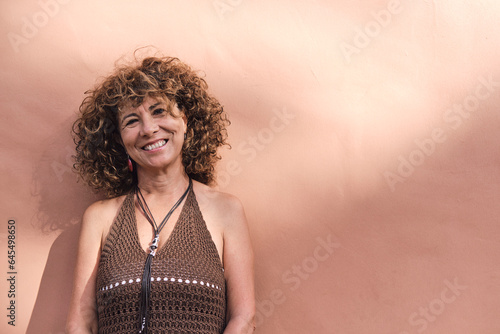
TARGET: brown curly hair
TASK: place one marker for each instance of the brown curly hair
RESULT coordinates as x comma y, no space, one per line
100,158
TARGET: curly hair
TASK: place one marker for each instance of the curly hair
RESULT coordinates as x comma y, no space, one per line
100,158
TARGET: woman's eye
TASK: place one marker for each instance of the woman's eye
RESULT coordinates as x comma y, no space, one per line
158,111
130,122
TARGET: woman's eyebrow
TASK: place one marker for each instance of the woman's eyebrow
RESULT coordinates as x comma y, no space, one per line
154,105
129,115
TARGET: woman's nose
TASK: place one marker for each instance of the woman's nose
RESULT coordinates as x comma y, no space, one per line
149,126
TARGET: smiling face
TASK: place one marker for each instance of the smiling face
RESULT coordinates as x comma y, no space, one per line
153,133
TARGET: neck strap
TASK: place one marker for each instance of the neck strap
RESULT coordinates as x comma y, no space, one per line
149,216
146,276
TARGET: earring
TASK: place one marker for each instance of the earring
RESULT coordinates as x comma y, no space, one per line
130,165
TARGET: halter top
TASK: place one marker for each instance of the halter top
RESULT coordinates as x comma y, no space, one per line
188,290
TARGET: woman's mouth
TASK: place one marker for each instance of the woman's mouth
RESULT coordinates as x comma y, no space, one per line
158,144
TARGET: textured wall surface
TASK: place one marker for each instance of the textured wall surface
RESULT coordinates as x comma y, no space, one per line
365,147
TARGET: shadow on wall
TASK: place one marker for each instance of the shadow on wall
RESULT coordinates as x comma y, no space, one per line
61,203
51,306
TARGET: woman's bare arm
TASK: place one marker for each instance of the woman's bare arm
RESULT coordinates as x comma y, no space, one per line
82,316
239,272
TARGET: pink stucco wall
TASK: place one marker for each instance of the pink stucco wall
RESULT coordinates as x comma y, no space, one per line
365,142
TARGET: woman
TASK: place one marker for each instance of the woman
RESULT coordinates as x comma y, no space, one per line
165,253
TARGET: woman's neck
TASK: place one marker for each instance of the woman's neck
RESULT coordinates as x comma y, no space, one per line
167,183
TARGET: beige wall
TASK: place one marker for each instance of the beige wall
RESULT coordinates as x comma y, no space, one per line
365,148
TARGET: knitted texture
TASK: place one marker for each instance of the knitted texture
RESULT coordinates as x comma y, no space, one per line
188,291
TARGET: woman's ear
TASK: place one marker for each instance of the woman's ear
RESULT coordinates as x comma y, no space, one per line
184,118
119,140
118,137
118,131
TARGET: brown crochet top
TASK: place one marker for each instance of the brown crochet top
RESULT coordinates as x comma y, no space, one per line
188,291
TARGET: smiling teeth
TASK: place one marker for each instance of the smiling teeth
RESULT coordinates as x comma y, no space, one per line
155,145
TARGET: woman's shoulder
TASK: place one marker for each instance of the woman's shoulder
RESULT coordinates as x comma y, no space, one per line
97,220
226,207
103,212
217,198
